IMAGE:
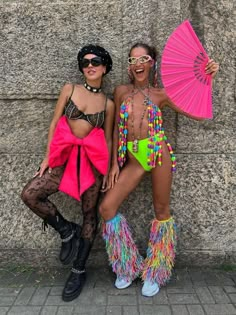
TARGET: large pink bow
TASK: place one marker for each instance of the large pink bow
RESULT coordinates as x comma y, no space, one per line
64,148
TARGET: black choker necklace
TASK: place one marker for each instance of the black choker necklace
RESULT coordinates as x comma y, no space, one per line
92,89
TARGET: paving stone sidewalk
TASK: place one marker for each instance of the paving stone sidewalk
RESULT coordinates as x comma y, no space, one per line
190,292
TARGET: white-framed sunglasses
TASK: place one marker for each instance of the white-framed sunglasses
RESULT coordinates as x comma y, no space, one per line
141,59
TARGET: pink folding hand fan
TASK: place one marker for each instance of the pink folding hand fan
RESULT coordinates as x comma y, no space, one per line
183,72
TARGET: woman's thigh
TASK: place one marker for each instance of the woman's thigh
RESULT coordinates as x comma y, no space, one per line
161,184
36,191
130,176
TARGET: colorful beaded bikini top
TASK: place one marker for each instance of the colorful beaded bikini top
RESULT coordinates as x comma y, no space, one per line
155,135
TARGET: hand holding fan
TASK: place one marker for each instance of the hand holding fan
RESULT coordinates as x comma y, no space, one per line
183,72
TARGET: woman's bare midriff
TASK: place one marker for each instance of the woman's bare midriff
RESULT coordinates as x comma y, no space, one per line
80,128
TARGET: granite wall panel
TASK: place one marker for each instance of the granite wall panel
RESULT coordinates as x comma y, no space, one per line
39,41
206,223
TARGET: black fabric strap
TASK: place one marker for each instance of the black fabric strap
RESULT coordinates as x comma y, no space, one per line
72,91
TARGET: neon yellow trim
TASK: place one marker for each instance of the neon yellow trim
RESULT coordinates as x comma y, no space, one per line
167,220
141,155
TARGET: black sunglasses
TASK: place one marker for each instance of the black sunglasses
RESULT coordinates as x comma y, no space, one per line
95,62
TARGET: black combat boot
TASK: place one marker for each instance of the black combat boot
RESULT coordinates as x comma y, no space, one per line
77,277
70,236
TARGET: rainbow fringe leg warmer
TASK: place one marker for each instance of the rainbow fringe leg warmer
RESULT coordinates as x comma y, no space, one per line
161,252
122,252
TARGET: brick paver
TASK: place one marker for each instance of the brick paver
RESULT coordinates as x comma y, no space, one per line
205,295
49,310
179,310
195,310
190,292
3,310
220,309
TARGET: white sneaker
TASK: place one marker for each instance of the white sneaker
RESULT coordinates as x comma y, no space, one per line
122,283
150,288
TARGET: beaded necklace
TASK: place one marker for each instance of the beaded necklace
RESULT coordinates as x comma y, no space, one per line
156,134
145,103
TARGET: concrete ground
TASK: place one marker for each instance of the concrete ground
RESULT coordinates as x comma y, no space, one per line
24,290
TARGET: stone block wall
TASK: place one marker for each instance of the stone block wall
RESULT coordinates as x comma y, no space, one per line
39,41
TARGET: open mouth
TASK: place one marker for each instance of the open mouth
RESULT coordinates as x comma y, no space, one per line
138,71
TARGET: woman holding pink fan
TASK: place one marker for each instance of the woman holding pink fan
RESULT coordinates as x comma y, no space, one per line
142,147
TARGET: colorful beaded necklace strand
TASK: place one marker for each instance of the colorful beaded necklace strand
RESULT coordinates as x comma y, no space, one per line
135,146
155,135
